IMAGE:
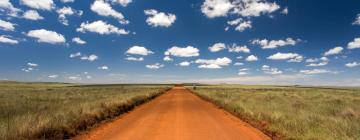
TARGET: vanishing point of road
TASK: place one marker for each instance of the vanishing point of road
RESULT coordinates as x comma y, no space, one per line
176,115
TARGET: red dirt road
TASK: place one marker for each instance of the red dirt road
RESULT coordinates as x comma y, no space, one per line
176,115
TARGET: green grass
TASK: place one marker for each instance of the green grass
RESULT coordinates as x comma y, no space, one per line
304,113
57,111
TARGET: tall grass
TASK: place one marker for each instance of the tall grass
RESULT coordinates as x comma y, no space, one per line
303,113
59,111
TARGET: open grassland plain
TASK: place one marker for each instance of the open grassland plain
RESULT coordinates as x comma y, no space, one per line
60,111
309,113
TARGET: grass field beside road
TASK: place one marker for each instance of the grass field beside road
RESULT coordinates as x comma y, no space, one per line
316,113
54,110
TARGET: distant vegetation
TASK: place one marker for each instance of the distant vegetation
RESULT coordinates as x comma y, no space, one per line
310,113
59,111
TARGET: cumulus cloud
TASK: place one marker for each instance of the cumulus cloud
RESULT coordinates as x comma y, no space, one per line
291,57
103,8
155,66
39,4
103,68
32,15
139,50
241,8
357,20
245,8
213,63
217,47
240,24
251,58
352,64
78,40
243,72
7,40
354,44
135,59
315,62
123,3
270,70
53,76
188,51
67,11
167,58
184,63
101,27
91,57
334,51
7,7
318,64
32,64
74,78
216,8
75,55
47,36
67,1
238,64
272,44
314,71
159,19
237,49
6,26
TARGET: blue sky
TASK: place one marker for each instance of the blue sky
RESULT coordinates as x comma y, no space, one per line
209,41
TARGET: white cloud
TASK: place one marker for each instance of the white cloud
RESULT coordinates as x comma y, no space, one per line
240,24
252,58
324,63
53,76
101,27
32,64
123,3
104,9
91,57
213,63
334,51
352,64
156,18
75,55
216,8
6,26
270,70
217,47
354,44
285,11
139,50
135,59
39,4
314,71
168,58
184,64
188,51
155,66
67,1
237,49
272,44
32,15
78,40
243,71
6,39
103,68
74,78
65,11
249,8
238,64
46,36
8,8
291,57
357,20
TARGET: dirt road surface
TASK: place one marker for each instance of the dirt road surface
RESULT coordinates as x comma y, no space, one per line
176,115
